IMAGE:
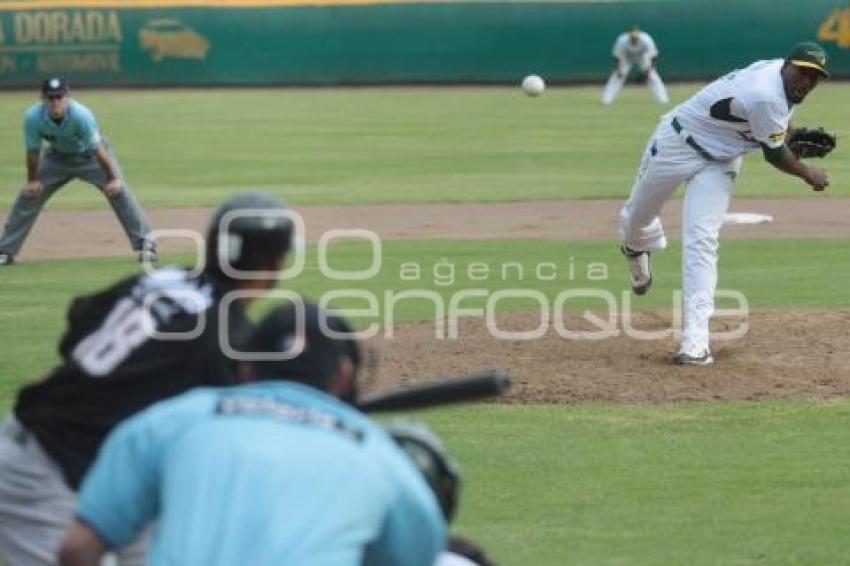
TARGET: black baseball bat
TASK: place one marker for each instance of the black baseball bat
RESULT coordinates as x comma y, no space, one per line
444,391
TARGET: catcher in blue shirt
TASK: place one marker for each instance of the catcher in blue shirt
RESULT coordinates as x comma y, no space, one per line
276,472
73,149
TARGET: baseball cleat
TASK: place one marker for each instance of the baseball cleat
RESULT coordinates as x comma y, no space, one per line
6,259
640,268
684,359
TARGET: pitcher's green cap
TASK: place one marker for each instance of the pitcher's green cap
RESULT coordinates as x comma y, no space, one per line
809,55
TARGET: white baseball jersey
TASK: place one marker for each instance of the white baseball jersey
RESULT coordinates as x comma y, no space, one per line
643,49
739,112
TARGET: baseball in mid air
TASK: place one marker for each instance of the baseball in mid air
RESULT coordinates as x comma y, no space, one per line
533,85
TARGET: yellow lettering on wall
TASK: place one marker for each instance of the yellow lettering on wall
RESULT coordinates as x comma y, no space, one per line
77,30
836,27
21,27
64,62
113,26
95,26
42,30
58,25
61,26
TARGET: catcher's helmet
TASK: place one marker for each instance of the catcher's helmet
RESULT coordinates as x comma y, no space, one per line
246,232
427,452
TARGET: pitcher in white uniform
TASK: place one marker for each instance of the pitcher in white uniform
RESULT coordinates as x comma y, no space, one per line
634,47
700,143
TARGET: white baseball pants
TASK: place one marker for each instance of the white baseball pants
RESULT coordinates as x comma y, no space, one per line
618,79
668,162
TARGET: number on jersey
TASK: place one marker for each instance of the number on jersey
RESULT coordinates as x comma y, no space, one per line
124,330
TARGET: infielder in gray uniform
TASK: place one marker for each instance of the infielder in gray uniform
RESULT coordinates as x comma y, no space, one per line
74,150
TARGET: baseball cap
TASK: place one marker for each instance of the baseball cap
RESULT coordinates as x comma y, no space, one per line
809,55
319,339
55,86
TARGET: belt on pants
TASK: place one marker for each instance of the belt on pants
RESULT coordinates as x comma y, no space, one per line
688,139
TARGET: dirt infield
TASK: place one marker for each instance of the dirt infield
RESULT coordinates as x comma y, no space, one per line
787,353
97,232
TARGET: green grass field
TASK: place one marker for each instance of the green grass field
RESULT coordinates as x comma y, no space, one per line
731,483
188,148
702,484
35,297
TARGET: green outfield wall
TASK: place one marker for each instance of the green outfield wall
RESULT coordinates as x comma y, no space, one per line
266,42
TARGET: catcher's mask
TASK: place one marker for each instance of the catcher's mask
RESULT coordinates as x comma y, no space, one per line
319,340
248,232
428,454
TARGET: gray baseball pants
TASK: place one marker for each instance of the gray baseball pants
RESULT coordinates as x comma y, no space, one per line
36,505
55,170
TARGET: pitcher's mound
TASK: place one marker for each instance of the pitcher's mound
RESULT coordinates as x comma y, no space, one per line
784,354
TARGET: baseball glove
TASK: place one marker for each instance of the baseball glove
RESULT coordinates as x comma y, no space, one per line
811,142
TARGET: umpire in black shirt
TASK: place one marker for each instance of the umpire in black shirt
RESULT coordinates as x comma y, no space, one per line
112,366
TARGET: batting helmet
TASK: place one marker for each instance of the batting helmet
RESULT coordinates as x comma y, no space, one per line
428,454
246,233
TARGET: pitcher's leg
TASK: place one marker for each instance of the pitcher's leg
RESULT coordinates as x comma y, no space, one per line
706,202
665,165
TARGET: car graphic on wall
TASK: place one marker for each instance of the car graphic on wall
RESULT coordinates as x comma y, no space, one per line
170,38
